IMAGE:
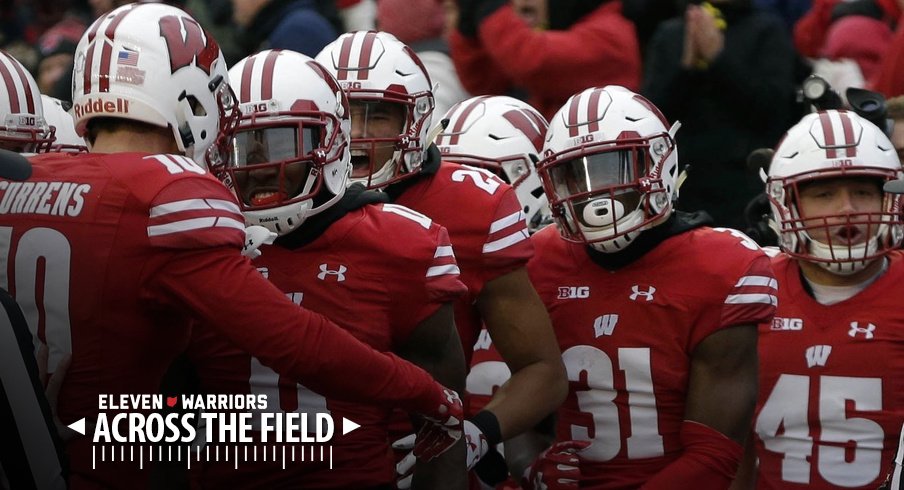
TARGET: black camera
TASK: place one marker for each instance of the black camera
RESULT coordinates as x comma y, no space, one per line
866,103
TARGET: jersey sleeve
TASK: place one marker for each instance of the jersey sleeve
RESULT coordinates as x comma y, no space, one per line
753,298
221,288
507,246
434,282
195,212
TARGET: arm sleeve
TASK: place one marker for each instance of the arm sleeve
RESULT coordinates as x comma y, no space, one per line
221,288
601,49
710,460
434,283
764,82
476,69
507,246
664,77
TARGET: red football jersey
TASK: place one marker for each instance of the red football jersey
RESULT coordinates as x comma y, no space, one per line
627,337
831,385
373,284
111,255
486,225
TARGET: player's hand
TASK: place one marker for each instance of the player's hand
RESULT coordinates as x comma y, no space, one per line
475,441
255,236
52,384
557,468
442,427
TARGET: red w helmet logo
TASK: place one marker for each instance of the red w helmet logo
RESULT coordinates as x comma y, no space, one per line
191,49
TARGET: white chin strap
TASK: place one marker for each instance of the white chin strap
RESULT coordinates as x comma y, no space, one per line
847,254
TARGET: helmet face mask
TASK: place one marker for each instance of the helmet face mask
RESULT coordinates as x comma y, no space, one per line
377,130
825,191
375,67
288,158
504,136
612,174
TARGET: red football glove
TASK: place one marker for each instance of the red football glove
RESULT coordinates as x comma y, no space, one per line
442,428
557,468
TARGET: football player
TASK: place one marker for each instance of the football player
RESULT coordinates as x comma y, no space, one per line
655,312
58,117
391,99
23,128
112,253
288,164
830,403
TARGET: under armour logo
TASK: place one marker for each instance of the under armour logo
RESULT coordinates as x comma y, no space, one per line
648,294
340,273
604,325
866,331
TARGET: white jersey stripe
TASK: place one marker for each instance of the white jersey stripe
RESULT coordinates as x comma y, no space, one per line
502,223
444,251
194,224
194,205
505,242
757,281
735,299
439,270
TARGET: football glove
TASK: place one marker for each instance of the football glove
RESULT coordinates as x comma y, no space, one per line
442,428
557,468
255,236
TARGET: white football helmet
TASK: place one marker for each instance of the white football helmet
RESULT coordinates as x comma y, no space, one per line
829,145
376,67
67,141
23,128
289,157
609,167
154,63
505,136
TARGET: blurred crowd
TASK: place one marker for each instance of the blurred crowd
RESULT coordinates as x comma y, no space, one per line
727,69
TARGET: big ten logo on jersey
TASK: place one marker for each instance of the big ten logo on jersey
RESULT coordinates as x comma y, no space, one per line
794,324
574,292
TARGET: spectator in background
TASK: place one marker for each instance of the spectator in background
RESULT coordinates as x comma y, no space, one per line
727,72
358,15
421,24
895,108
811,30
859,38
550,53
298,25
57,51
890,79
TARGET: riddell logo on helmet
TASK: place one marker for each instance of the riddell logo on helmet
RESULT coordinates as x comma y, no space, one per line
99,106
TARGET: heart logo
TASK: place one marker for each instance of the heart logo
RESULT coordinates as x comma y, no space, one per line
171,401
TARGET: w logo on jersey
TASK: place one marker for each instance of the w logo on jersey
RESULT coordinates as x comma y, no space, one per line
604,325
817,355
325,271
867,331
638,293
